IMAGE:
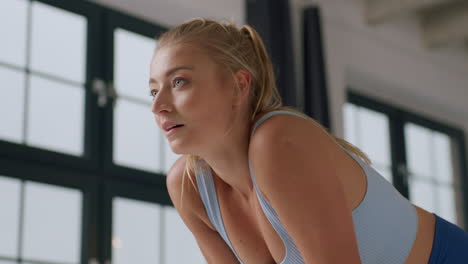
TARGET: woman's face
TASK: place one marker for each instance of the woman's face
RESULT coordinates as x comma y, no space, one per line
189,88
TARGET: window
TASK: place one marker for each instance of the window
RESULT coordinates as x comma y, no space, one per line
422,158
34,71
369,130
82,162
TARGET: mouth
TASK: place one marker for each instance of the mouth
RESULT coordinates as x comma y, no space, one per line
168,125
173,129
176,126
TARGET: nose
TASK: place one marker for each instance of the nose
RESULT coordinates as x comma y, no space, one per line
161,102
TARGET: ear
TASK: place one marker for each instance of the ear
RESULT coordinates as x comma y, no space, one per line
242,79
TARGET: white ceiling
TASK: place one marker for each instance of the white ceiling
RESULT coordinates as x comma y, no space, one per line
172,12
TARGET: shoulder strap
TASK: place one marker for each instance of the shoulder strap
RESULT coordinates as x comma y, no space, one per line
207,191
270,114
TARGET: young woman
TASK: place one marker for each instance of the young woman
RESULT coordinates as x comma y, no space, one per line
263,183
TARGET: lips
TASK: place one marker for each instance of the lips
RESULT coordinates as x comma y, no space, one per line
168,125
173,131
176,126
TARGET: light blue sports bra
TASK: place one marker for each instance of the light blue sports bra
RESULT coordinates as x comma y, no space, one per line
381,238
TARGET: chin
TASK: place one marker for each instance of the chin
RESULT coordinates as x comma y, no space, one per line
178,147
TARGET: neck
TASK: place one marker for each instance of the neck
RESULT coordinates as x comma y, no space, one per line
229,160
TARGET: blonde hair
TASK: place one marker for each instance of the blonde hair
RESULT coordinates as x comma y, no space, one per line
234,49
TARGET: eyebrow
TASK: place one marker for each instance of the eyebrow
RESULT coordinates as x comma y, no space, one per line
171,71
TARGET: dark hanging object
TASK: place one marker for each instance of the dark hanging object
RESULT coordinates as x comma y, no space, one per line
315,86
272,21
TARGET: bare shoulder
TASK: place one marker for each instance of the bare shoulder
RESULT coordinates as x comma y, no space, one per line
285,141
174,179
287,128
184,193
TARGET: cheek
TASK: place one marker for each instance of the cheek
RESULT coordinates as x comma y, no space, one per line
207,110
203,102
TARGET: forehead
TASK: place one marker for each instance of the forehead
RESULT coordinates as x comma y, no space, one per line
180,54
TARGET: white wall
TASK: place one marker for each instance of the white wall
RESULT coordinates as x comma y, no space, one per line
172,12
386,61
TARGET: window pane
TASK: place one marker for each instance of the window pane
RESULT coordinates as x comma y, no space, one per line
418,149
9,215
446,202
350,124
422,193
11,105
58,42
369,131
179,239
374,135
135,232
56,116
443,157
52,223
13,21
137,140
132,56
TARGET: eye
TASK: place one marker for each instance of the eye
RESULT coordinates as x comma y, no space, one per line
178,81
153,92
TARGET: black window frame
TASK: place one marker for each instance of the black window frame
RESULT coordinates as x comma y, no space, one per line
11,150
397,117
94,173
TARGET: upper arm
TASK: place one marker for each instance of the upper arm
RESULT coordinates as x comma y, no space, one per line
294,168
193,214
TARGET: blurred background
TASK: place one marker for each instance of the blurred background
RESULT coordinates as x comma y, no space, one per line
83,164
